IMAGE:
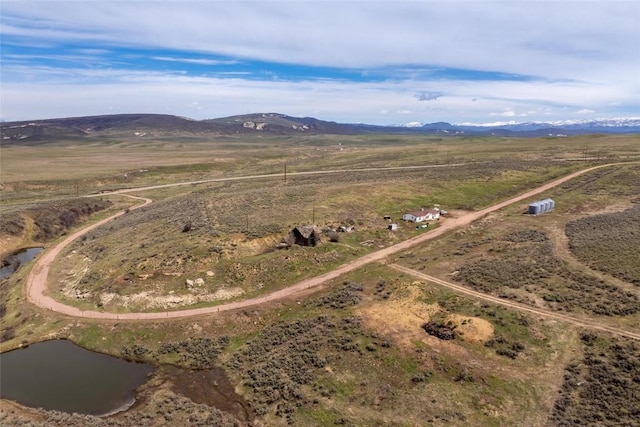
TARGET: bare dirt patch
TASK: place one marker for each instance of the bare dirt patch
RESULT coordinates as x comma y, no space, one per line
208,386
149,300
471,329
400,318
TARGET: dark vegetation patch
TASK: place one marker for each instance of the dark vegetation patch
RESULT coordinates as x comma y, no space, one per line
440,330
4,297
464,248
195,353
382,292
280,367
603,388
590,183
8,333
56,218
346,296
622,182
279,362
11,224
52,219
529,265
505,346
166,409
609,243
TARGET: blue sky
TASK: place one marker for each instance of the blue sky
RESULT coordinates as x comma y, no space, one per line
385,62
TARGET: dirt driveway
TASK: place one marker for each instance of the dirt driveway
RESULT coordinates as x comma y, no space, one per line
37,279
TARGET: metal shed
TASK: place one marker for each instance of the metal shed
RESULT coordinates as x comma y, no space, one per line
534,208
541,206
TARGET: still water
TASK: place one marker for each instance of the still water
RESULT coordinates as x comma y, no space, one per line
63,376
24,256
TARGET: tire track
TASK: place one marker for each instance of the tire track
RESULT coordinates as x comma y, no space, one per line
518,306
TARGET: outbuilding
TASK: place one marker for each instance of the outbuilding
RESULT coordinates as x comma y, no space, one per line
541,206
306,235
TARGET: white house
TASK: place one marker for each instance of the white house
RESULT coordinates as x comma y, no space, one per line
422,215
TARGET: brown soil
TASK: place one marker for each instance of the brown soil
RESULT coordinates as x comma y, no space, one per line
582,322
400,319
208,386
474,329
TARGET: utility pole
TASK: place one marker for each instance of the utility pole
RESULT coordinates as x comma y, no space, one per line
313,221
285,171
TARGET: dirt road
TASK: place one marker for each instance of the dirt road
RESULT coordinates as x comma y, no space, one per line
273,175
37,279
517,306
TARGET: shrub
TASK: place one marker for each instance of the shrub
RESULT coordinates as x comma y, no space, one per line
439,330
608,242
602,388
8,333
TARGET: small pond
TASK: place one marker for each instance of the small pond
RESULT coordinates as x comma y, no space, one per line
63,376
22,257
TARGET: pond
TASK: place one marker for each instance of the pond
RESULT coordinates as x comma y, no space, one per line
19,258
63,376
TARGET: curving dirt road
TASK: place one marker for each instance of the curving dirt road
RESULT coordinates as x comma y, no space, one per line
37,279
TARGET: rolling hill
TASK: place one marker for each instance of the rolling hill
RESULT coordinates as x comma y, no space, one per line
150,125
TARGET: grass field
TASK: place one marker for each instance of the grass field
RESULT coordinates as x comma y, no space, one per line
370,348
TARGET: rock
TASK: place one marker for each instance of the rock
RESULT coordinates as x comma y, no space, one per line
189,283
199,281
210,273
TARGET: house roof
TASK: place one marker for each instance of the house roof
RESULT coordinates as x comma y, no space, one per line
423,212
307,230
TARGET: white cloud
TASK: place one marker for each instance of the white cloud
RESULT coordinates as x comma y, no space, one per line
508,113
372,102
549,39
580,56
200,61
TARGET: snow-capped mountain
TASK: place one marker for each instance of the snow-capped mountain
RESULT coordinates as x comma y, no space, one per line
616,122
564,127
412,125
622,122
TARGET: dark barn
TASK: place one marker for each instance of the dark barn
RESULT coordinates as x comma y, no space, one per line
306,235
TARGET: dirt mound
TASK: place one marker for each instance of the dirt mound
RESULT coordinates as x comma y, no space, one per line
471,329
400,318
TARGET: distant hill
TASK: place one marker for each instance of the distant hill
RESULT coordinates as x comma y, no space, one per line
147,125
150,125
283,124
133,125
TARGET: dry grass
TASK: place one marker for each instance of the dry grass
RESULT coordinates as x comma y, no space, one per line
376,365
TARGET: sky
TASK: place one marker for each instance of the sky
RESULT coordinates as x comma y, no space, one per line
376,62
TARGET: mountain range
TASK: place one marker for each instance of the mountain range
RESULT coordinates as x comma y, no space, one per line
616,125
149,125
